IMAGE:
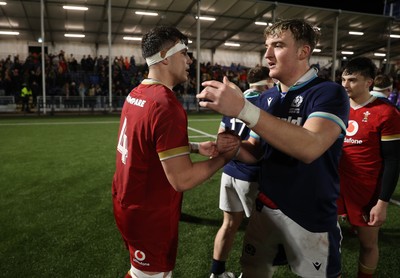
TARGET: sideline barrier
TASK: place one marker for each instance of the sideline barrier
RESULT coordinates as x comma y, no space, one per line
92,104
7,104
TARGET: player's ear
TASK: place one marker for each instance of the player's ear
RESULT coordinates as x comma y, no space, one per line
162,54
370,81
304,52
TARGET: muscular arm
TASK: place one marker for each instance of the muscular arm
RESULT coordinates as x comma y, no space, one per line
306,143
183,174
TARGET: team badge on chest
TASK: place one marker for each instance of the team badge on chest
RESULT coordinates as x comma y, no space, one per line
366,114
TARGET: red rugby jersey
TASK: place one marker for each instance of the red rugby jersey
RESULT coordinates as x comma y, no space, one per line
369,124
146,207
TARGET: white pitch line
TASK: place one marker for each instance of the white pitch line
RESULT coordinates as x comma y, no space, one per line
203,120
202,132
395,202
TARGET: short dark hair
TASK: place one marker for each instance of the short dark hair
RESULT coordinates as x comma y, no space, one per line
160,38
257,73
361,65
302,31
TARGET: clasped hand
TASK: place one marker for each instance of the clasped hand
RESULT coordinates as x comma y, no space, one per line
227,145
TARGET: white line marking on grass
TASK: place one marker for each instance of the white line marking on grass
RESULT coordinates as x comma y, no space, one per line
393,201
204,120
202,132
198,136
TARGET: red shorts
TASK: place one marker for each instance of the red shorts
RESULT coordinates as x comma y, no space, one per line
357,197
151,235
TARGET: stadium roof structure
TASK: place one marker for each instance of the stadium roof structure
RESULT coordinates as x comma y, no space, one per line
234,22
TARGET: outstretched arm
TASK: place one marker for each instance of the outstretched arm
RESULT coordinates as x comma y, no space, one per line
183,174
306,143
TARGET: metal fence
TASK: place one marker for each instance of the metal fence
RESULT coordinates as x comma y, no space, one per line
7,104
78,104
92,104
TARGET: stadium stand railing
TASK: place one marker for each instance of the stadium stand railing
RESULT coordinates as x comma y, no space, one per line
79,104
94,104
7,104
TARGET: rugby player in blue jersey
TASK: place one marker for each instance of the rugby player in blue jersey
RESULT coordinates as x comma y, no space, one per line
300,123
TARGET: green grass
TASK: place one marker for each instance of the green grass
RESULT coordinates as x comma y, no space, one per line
56,213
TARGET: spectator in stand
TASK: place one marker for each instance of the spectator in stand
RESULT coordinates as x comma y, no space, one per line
8,84
83,63
82,89
26,95
92,90
35,92
127,65
72,63
133,61
90,63
73,89
99,63
98,90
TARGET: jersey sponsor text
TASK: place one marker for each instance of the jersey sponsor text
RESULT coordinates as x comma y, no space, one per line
352,141
290,119
135,101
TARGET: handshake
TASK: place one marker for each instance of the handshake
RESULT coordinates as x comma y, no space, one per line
226,145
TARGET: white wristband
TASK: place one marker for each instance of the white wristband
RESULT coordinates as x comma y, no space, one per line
249,114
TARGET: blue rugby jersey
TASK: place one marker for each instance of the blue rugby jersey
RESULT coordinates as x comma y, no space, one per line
235,168
306,193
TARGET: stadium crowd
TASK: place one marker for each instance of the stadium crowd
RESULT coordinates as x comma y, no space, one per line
66,76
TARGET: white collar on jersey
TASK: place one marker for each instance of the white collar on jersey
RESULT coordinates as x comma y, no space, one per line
310,74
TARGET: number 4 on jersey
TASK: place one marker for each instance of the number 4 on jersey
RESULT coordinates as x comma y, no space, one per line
123,143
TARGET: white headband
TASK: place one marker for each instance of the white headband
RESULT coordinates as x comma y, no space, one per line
157,57
382,89
259,83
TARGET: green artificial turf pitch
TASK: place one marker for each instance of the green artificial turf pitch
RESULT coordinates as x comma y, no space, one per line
56,213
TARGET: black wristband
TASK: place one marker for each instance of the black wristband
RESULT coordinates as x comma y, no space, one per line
194,147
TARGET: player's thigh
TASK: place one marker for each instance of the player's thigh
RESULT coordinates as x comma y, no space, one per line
247,192
261,240
356,201
228,197
313,254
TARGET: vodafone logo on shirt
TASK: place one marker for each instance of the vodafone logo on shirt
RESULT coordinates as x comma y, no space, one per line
352,128
139,257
